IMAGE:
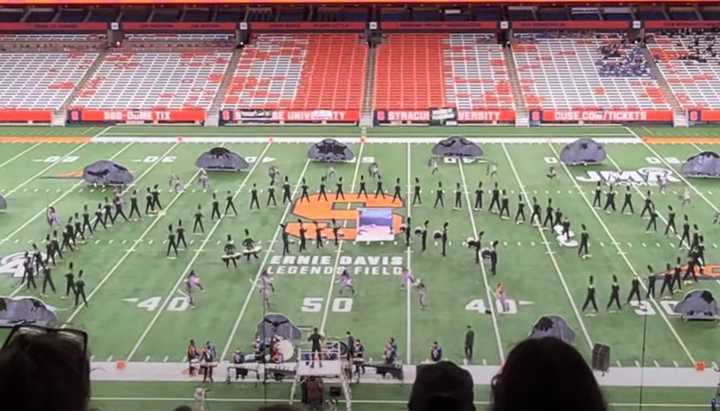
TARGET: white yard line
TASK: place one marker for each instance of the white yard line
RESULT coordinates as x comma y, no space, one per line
550,253
408,252
268,251
490,299
165,302
622,254
101,133
44,170
57,200
122,259
20,154
342,242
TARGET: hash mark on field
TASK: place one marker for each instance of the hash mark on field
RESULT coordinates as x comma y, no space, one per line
484,361
644,245
110,358
675,364
165,359
637,363
147,359
124,241
714,364
532,243
602,244
657,244
92,358
111,241
618,363
656,364
97,241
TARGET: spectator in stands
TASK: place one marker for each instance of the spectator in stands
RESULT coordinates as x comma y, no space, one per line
545,374
41,369
442,386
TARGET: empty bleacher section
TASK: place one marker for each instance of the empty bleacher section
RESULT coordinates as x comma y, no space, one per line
587,78
690,64
152,86
298,77
36,84
464,71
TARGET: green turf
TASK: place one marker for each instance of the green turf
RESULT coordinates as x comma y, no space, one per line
229,310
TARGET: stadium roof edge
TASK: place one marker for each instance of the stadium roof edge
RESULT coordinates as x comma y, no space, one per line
335,2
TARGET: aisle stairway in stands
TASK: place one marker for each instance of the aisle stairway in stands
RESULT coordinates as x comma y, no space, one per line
213,114
367,115
521,112
679,115
61,114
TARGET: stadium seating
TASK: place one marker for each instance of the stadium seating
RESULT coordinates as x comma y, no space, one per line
690,69
40,81
419,71
299,72
573,73
155,80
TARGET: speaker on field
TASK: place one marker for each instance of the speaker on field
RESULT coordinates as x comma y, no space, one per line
601,357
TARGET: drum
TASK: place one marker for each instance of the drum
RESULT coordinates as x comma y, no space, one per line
286,349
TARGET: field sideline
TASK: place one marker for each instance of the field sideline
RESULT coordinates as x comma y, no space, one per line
139,315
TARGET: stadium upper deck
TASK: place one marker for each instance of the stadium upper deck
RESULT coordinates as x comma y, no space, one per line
523,63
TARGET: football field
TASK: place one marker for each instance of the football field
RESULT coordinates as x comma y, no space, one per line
138,310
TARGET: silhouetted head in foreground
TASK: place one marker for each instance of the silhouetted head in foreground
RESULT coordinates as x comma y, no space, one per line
545,374
442,386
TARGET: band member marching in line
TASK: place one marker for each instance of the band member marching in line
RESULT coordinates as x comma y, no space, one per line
558,220
584,242
627,202
379,190
635,291
79,232
520,214
108,215
670,222
677,279
416,193
339,193
458,197
198,220
408,230
667,281
118,201
397,195
614,294
597,201
547,223
653,220
230,253
444,239
69,281
321,192
80,290
304,195
156,197
47,280
215,208
495,198
649,205
439,196
230,204
504,206
134,209
479,197
56,245
685,236
254,197
285,240
535,217
303,239
318,235
590,296
363,189
86,221
49,251
336,232
423,234
610,200
287,196
650,283
149,204
271,195
172,244
180,232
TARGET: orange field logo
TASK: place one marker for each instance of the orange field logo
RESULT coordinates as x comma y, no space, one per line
344,211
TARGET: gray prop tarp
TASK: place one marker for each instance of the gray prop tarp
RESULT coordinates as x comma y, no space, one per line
222,159
106,172
583,151
277,324
457,147
330,150
3,203
553,326
698,305
25,310
705,164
